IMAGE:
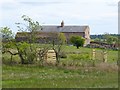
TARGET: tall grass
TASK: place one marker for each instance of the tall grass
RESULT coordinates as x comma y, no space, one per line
53,77
70,73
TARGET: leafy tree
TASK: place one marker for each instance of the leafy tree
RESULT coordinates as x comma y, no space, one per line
31,27
27,50
24,51
110,39
77,41
97,40
6,33
115,39
58,42
7,41
62,38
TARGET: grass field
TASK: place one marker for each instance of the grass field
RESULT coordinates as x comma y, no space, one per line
53,77
112,55
103,75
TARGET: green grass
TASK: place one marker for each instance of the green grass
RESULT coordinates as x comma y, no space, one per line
103,75
112,56
54,77
0,76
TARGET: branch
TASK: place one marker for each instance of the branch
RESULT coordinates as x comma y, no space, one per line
9,52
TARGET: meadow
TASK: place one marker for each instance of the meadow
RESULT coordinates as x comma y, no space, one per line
72,72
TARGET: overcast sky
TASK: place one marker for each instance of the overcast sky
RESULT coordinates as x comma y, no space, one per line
100,15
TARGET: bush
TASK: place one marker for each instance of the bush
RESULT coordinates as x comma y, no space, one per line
6,59
80,56
77,41
63,55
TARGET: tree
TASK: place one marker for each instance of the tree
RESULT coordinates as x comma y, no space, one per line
77,41
110,39
6,33
58,41
97,40
7,41
27,50
31,27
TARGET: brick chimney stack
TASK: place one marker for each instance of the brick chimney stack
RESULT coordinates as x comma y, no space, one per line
62,24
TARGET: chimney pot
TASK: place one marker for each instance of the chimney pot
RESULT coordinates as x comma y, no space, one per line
62,24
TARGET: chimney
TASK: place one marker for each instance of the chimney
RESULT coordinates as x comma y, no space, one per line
62,24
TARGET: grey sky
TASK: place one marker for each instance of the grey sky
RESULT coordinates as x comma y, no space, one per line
100,15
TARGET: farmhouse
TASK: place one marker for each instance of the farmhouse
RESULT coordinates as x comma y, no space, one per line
49,31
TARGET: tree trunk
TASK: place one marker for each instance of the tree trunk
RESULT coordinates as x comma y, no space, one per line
77,47
21,56
11,58
22,59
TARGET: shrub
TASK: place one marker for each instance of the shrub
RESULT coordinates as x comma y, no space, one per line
80,56
6,59
63,55
77,41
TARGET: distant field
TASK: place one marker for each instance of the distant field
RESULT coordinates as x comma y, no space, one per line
67,75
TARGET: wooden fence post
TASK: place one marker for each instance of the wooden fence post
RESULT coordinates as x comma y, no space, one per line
93,54
104,56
